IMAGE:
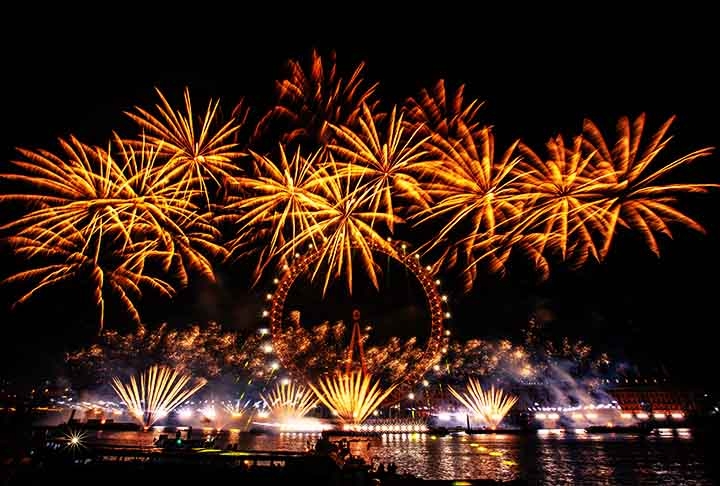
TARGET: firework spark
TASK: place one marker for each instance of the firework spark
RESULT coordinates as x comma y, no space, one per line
160,390
279,198
74,257
344,224
352,396
568,198
635,199
199,151
237,409
436,111
491,405
389,161
288,401
309,100
475,196
107,210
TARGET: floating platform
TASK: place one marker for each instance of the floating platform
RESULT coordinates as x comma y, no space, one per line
351,433
618,429
499,431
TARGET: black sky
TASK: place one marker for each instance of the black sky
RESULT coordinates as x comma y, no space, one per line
540,74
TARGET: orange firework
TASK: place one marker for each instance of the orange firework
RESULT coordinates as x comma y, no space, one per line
309,100
276,204
344,224
389,160
475,196
199,151
119,270
435,111
352,396
159,391
636,199
568,197
289,401
105,207
490,405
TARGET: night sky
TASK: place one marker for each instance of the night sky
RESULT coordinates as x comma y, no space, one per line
539,76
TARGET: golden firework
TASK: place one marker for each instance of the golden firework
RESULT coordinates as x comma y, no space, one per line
475,199
344,224
352,396
635,197
289,401
119,271
309,100
199,151
159,391
568,198
388,160
490,405
446,114
276,204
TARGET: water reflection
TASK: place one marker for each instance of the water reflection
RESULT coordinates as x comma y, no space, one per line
551,457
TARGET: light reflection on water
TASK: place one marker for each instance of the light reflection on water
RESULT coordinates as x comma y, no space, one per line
551,458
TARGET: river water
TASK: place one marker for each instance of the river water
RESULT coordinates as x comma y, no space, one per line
550,457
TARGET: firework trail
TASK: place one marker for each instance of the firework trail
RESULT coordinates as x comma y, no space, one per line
159,391
491,405
352,396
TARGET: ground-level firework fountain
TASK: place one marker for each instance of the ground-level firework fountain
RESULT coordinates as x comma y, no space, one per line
160,390
490,405
352,396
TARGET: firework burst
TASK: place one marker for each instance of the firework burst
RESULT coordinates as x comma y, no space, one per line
276,205
236,409
388,161
445,114
344,225
289,401
106,214
635,198
491,405
77,258
310,100
159,391
568,198
200,151
475,199
352,396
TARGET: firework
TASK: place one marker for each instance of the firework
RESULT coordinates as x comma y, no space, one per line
75,440
568,198
475,199
202,350
344,224
236,409
199,151
108,213
288,401
636,199
87,189
491,406
388,161
352,396
160,390
74,257
436,111
310,100
279,198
